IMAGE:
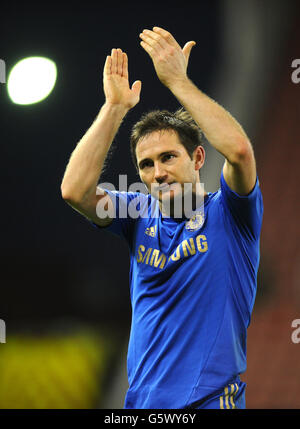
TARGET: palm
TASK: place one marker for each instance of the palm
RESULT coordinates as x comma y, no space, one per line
116,83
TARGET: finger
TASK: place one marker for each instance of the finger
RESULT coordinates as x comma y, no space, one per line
114,61
125,66
107,65
136,87
148,48
154,39
120,61
149,41
166,35
187,49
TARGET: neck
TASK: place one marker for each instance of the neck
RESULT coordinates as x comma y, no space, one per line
176,208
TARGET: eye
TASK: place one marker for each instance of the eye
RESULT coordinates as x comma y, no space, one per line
168,157
145,164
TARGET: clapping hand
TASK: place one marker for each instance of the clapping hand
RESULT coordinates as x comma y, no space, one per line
115,81
170,61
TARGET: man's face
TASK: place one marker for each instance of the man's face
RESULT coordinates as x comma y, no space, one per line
162,160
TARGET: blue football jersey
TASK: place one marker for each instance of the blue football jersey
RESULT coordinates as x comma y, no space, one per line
192,287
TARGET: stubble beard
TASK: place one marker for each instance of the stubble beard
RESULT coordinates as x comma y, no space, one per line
183,204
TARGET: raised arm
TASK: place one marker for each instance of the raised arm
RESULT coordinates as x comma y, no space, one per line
82,174
222,131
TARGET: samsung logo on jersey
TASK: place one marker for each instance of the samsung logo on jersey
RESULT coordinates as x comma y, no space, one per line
157,259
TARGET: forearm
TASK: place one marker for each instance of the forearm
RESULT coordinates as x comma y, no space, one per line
222,131
86,162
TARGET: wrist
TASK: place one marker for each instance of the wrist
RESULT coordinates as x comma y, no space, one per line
116,109
180,84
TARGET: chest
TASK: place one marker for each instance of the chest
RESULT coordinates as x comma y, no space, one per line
159,245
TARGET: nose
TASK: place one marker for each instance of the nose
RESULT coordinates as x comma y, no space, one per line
160,173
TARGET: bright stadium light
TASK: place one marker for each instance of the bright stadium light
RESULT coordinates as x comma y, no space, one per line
31,80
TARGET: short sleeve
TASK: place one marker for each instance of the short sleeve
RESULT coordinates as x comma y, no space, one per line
127,208
246,211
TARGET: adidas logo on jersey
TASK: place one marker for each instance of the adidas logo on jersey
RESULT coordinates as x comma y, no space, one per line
151,231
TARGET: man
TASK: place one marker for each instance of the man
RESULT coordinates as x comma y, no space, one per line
192,280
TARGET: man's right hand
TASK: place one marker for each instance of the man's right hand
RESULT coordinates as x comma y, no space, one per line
79,185
116,83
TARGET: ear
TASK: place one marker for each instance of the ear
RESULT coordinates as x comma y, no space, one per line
199,157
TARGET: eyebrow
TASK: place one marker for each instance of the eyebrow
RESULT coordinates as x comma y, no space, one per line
168,152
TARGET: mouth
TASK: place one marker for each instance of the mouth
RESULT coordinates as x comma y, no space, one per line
165,187
164,190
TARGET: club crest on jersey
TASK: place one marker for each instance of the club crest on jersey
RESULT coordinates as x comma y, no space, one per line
151,231
195,222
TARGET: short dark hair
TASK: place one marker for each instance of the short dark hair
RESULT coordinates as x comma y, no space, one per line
189,133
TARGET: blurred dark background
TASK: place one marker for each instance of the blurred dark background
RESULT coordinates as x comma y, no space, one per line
64,289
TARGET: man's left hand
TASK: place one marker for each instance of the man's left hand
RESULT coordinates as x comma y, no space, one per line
170,61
